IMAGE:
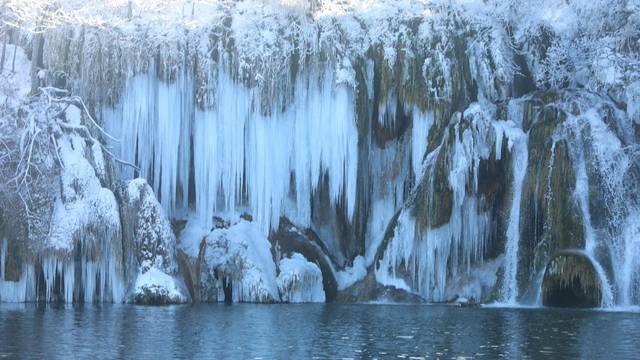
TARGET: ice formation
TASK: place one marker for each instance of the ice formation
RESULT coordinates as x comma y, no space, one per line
421,146
299,280
241,256
237,151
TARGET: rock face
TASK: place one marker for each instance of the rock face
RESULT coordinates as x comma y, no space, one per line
570,280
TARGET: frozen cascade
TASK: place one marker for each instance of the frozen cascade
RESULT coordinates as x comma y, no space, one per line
238,151
602,154
432,257
16,291
422,123
517,145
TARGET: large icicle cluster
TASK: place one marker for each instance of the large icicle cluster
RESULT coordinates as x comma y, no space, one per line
241,158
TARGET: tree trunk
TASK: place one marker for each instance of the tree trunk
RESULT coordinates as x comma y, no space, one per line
35,69
4,51
4,43
15,50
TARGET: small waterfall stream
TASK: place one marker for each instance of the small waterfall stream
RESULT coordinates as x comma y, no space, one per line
509,291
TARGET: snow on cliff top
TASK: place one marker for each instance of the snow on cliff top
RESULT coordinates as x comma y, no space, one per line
581,43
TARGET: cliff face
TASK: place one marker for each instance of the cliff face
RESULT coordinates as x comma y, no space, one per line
399,150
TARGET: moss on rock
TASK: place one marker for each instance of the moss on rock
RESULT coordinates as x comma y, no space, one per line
570,280
550,219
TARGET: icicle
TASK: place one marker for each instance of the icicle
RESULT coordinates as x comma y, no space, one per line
419,139
3,257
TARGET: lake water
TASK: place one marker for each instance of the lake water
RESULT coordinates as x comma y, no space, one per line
325,331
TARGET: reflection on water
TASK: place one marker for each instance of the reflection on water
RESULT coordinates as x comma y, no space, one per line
315,331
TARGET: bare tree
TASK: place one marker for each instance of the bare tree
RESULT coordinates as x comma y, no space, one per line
5,34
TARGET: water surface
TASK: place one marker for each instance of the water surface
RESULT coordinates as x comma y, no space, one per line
323,331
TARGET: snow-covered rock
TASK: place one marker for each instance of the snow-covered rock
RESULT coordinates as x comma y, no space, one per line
85,229
153,246
156,287
300,280
240,257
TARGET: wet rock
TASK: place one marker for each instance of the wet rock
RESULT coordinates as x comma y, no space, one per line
570,280
369,290
291,239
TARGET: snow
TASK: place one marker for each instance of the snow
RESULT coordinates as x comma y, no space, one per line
352,274
15,85
300,280
83,203
191,236
160,284
243,254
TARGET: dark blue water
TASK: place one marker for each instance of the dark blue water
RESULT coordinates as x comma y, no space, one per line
314,331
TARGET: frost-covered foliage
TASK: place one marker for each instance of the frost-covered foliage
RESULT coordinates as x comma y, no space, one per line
59,221
27,156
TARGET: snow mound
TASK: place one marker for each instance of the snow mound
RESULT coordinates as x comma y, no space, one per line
158,288
83,202
191,237
241,255
300,280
